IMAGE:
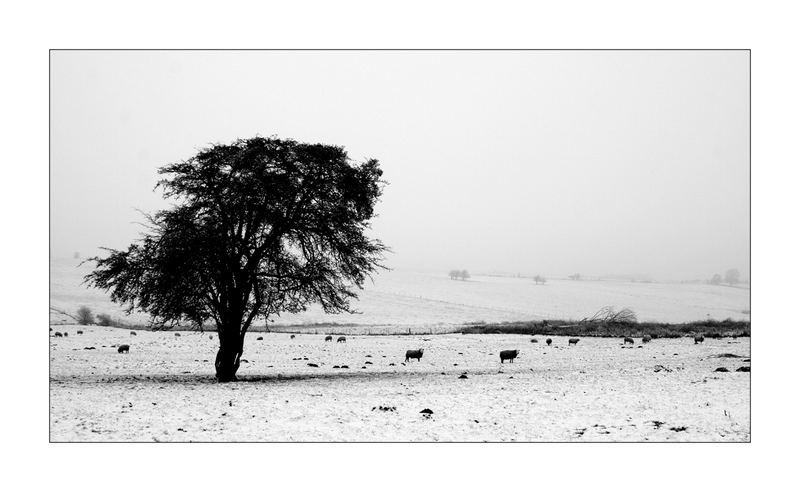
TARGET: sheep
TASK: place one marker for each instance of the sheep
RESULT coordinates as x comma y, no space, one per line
292,337
508,354
341,340
646,339
58,334
698,339
260,338
124,348
133,333
414,354
549,341
329,338
533,340
177,334
66,334
574,341
80,332
628,340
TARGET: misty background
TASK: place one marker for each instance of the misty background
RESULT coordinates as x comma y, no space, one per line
531,162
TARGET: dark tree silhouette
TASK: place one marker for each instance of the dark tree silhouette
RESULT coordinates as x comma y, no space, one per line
259,227
716,279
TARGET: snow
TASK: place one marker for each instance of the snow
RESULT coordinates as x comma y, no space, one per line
164,389
419,301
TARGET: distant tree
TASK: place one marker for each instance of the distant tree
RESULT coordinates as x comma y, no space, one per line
258,227
716,279
454,274
464,274
732,276
85,316
576,276
539,279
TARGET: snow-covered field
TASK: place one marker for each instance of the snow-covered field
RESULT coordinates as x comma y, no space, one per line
164,389
432,302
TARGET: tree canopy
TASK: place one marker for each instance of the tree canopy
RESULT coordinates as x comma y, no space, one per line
258,227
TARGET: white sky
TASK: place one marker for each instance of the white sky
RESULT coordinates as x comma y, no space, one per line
532,162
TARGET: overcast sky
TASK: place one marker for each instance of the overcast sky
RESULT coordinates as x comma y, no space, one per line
531,162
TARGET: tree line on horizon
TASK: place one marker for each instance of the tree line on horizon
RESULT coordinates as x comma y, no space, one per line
731,278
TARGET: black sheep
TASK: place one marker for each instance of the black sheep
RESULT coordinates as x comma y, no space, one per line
508,355
414,354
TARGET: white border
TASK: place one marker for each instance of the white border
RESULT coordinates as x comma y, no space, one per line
29,30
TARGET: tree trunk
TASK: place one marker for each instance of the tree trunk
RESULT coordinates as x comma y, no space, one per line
228,355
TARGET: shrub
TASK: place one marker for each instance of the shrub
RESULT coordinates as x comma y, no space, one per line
85,316
104,320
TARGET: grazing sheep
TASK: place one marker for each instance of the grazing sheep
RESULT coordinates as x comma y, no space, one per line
292,337
58,334
123,349
414,354
66,334
133,333
329,338
549,341
80,332
628,340
177,334
341,340
508,354
260,338
698,339
533,340
51,329
574,341
646,339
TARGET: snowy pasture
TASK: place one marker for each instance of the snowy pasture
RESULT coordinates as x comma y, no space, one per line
598,390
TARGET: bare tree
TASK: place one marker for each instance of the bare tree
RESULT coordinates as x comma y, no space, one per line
608,314
85,316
